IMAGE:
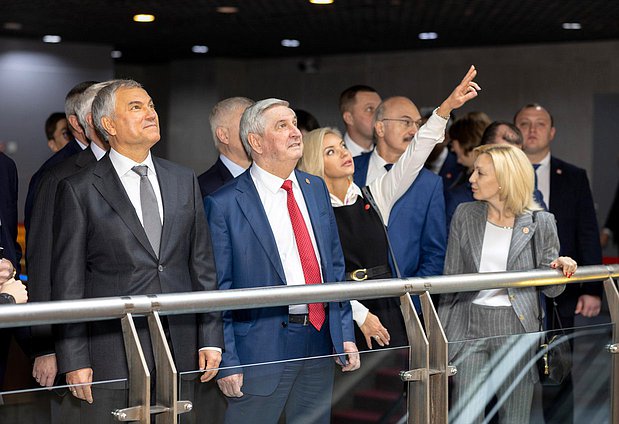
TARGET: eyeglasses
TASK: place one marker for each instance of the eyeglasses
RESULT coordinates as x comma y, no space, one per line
406,122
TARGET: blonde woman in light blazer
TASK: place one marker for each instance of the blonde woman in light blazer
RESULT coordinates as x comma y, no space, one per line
495,234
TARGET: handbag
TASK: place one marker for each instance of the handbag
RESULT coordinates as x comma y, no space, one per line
555,352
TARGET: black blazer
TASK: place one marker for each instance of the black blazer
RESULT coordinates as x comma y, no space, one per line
215,177
39,244
72,148
8,210
100,249
571,203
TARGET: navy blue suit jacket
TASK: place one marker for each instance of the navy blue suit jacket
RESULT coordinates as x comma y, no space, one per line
571,203
247,256
451,170
416,226
214,177
67,151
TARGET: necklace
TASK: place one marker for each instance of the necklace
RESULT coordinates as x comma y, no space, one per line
500,226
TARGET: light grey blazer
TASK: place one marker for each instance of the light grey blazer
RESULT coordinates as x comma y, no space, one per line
464,253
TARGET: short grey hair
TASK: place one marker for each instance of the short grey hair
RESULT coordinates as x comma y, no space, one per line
84,104
222,110
252,120
72,98
105,101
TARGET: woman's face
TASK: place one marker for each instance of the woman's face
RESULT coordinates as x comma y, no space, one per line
464,158
483,180
337,159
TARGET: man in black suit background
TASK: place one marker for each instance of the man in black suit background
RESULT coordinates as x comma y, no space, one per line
233,161
130,224
79,143
567,194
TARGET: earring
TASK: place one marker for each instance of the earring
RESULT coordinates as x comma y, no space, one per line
500,188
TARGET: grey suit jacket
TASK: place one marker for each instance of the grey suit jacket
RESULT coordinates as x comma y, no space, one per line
464,253
100,249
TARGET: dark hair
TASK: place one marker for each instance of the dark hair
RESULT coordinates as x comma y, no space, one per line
306,121
513,136
347,98
469,129
535,106
51,122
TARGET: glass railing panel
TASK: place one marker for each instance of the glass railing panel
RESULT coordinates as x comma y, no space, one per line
56,404
499,377
373,393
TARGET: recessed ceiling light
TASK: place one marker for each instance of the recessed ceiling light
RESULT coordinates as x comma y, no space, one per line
571,25
12,26
143,17
116,54
321,1
52,39
428,35
290,43
199,49
227,9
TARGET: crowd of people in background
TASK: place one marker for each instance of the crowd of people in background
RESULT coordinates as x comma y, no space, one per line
289,202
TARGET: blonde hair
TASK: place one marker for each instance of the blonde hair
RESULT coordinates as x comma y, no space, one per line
514,174
312,160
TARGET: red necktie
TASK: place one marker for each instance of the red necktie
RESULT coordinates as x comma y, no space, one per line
309,263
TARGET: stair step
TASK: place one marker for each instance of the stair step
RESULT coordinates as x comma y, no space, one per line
376,400
388,379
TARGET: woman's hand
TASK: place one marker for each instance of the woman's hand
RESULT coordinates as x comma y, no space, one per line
373,329
566,264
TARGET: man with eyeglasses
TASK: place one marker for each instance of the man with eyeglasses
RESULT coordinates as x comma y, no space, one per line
416,226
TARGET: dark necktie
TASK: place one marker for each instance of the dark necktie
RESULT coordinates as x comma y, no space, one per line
388,166
309,263
537,194
150,210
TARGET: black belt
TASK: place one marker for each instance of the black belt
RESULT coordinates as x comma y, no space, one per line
302,319
369,273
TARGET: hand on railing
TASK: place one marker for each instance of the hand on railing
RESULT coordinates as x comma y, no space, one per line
77,377
566,264
44,370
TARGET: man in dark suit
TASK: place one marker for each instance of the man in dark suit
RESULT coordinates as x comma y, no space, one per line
39,245
79,143
274,226
566,192
233,160
416,226
130,224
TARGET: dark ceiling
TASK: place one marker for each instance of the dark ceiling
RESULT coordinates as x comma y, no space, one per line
346,26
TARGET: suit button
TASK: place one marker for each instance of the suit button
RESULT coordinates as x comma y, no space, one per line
521,317
284,324
512,297
160,268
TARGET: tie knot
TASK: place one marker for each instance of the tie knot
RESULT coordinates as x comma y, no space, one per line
141,170
388,166
287,186
536,165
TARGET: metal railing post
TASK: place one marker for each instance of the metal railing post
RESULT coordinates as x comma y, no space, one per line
612,296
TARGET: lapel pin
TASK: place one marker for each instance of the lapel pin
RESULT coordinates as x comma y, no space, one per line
559,171
525,230
307,181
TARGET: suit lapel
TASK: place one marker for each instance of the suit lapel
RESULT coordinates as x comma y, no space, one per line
224,172
476,223
111,189
250,204
84,158
311,203
557,191
168,185
524,228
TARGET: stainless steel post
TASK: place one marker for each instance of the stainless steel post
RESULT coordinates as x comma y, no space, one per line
612,296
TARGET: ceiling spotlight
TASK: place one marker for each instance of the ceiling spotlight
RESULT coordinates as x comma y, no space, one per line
428,35
199,49
571,25
12,26
116,54
290,43
52,39
228,10
321,1
143,17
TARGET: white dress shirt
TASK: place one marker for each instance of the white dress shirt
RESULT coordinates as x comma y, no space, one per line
274,200
354,148
543,179
97,151
234,168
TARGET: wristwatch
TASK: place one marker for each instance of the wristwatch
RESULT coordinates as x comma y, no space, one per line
7,298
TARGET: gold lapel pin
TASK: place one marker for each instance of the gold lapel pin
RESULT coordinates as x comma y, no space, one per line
307,181
525,230
559,171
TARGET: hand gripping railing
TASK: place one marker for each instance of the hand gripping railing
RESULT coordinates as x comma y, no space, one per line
428,369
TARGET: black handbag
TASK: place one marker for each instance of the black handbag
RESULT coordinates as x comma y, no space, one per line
555,353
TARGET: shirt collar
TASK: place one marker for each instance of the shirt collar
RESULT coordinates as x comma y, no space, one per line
546,161
97,151
351,196
351,145
271,182
233,167
377,160
123,164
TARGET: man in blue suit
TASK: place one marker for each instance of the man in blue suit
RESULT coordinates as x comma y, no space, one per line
254,223
416,226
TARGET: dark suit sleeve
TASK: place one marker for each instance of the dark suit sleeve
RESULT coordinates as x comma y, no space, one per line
203,274
38,256
222,248
433,238
68,275
9,215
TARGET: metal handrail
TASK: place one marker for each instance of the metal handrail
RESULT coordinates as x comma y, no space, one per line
96,309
